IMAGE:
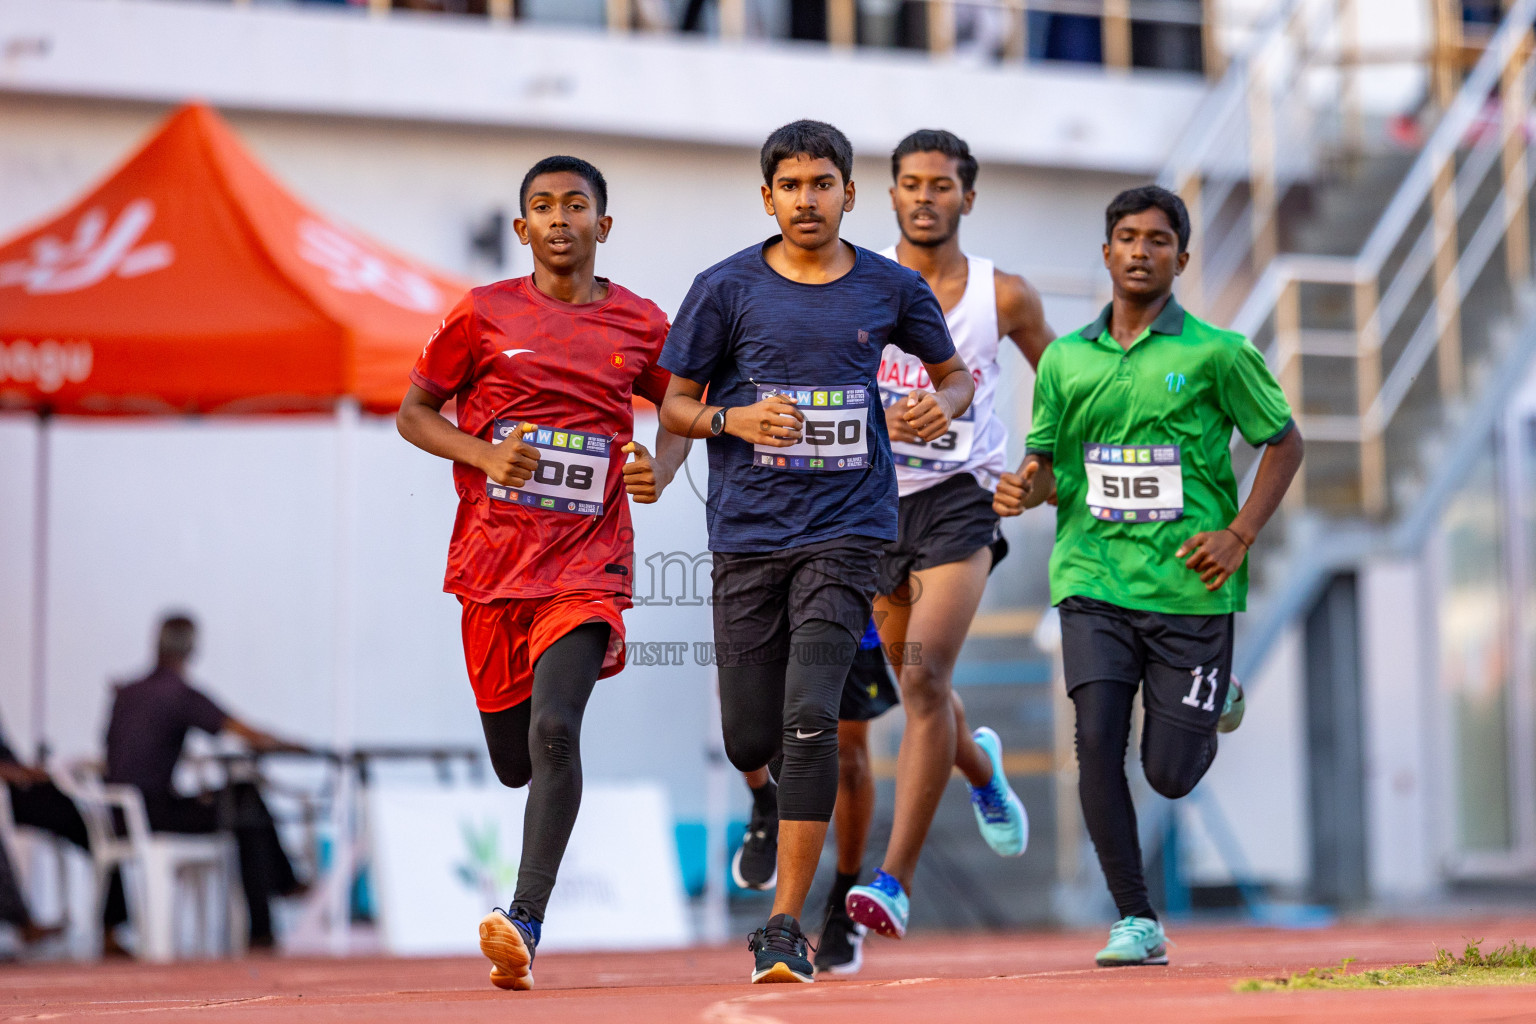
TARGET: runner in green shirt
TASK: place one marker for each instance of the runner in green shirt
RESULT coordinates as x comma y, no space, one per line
1133,420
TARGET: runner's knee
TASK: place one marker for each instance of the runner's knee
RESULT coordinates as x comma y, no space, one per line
512,771
513,776
852,764
925,691
554,738
506,740
748,752
1175,760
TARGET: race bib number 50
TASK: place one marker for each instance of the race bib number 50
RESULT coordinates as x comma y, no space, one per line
836,429
571,476
1134,483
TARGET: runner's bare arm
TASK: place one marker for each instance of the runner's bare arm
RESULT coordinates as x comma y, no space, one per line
1217,554
1021,316
647,475
1033,485
421,422
928,413
774,421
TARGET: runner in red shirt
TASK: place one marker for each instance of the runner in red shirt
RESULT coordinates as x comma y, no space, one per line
543,369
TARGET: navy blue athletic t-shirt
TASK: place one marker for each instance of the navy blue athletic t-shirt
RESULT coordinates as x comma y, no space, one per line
745,327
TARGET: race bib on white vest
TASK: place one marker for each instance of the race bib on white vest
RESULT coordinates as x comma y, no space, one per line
947,452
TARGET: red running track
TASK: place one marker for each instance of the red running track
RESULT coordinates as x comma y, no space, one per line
933,979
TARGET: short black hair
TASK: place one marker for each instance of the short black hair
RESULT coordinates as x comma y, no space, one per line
816,139
937,140
177,637
575,165
1145,197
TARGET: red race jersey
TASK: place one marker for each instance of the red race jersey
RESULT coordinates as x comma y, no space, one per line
510,354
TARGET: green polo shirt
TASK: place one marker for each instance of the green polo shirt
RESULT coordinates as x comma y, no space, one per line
1182,383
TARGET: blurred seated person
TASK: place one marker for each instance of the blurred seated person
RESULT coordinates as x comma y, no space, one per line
13,906
149,723
38,803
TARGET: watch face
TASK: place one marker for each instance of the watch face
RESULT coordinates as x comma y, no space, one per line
717,423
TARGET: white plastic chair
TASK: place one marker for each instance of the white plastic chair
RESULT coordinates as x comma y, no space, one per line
19,845
155,865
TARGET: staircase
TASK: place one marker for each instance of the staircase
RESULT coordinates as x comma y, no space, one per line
1390,353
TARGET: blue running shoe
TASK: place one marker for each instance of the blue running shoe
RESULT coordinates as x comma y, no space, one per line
1134,941
508,942
882,906
1000,813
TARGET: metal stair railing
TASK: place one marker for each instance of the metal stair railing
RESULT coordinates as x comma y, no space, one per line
1289,101
1417,250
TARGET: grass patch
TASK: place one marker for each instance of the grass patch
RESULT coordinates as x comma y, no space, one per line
1511,964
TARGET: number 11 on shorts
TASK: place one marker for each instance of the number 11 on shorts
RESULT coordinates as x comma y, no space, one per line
1193,697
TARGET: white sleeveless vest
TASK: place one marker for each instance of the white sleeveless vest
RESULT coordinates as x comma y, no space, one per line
973,326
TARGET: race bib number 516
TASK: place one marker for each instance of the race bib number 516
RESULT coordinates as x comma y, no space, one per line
571,476
836,430
1134,483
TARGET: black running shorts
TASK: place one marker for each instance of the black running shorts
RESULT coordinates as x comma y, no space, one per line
870,690
760,598
948,522
1185,661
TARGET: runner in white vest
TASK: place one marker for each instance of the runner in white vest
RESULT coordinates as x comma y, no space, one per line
933,575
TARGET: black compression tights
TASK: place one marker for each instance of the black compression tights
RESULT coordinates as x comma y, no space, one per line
790,705
1173,759
538,744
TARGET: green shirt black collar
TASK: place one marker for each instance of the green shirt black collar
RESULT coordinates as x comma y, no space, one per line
1170,321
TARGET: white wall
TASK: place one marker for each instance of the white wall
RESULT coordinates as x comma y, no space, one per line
17,466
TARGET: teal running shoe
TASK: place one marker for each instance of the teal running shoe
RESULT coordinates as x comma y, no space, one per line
881,906
1000,813
1232,710
1134,941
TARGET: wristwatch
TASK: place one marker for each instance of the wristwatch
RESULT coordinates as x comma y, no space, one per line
717,423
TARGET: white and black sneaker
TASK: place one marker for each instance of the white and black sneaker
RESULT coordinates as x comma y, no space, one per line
756,863
840,950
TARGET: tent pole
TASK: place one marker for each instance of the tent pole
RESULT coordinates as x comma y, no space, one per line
343,854
39,709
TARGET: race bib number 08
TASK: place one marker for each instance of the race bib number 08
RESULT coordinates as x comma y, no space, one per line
836,430
571,476
947,452
1134,483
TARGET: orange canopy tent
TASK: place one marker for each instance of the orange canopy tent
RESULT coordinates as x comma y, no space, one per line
191,281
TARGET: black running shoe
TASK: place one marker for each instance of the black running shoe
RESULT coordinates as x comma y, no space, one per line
756,863
840,950
781,951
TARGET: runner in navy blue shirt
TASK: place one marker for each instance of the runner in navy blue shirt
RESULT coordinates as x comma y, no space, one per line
787,336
